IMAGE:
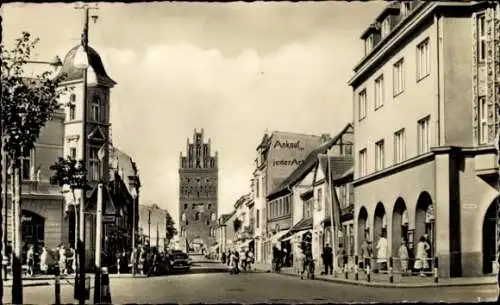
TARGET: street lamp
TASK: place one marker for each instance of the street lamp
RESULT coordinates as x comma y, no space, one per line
81,61
134,197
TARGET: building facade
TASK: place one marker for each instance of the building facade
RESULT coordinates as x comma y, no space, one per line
278,155
153,226
426,98
198,193
95,135
42,204
225,232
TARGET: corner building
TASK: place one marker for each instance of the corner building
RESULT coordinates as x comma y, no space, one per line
198,194
426,98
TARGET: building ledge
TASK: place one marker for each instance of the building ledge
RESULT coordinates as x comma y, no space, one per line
395,168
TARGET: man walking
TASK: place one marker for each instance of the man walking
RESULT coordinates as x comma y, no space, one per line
328,259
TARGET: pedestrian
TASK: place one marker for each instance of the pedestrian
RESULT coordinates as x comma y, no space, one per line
327,257
250,259
301,260
229,253
153,262
243,257
223,258
427,240
403,257
30,259
382,252
62,259
421,263
142,259
43,261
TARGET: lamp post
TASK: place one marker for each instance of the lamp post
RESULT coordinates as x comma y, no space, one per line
81,61
134,198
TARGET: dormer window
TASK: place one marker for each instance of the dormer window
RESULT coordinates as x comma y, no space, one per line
368,44
386,27
405,8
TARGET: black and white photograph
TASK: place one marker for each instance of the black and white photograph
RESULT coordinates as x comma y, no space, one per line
249,152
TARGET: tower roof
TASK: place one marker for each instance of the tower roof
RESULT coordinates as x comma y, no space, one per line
73,73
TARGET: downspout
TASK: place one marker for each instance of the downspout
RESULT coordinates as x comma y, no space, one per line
438,80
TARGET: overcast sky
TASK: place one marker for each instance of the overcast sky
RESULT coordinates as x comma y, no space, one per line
235,69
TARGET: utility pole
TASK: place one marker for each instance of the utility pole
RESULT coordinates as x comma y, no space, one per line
2,205
98,245
149,226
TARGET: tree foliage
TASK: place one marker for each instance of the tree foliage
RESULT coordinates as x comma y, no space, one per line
69,172
170,227
27,103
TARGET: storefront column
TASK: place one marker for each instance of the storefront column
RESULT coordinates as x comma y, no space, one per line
447,216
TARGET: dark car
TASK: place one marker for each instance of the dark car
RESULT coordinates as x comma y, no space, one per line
179,261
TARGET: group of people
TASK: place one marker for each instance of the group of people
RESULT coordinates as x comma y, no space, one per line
421,260
38,259
238,260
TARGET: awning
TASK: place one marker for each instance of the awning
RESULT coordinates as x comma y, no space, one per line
296,235
276,237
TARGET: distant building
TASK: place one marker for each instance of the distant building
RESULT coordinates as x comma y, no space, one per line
152,226
198,193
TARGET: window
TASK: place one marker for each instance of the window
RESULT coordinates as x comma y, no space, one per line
362,104
26,165
398,77
362,162
399,146
483,120
185,206
342,195
96,109
368,44
197,216
209,206
405,9
94,164
183,216
213,217
481,38
72,111
350,197
379,92
257,187
424,141
72,153
386,27
423,60
379,155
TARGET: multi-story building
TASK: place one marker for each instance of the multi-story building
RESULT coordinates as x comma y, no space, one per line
153,226
95,135
42,204
278,155
198,193
426,98
301,203
124,186
244,217
225,232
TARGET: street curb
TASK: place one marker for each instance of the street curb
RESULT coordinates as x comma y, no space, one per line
33,284
387,285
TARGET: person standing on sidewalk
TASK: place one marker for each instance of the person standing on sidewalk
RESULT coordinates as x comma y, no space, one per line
382,252
421,263
328,259
403,258
30,259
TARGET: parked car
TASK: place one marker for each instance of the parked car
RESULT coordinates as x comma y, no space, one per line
178,261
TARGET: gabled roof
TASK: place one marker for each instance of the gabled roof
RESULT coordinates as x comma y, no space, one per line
311,160
225,217
337,165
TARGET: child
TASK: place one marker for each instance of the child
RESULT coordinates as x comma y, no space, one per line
403,257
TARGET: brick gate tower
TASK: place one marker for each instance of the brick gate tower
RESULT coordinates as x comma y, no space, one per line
198,193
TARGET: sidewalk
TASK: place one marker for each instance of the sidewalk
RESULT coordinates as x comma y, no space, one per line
382,280
47,280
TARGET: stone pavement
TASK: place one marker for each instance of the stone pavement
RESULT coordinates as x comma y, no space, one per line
382,280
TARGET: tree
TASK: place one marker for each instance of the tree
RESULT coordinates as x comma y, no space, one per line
69,174
27,104
170,229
